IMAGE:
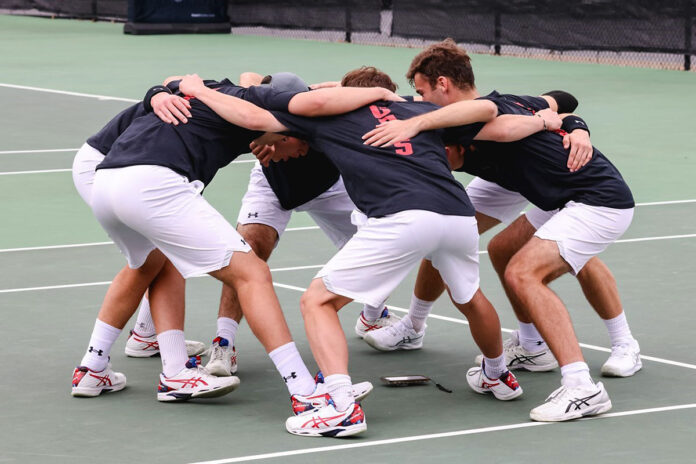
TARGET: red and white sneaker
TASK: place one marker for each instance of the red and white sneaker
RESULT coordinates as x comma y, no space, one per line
386,319
503,388
194,381
223,358
138,346
87,383
327,422
320,397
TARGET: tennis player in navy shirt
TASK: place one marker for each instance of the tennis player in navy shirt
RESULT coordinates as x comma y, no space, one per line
147,197
595,209
415,208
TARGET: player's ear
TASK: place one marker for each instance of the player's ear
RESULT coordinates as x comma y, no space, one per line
442,82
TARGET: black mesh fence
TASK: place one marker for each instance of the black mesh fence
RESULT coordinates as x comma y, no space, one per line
636,32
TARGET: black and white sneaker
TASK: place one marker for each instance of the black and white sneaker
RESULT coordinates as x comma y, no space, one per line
572,403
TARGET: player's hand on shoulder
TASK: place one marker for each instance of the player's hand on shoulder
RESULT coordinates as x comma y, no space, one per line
171,108
388,133
391,96
551,118
264,153
191,84
580,147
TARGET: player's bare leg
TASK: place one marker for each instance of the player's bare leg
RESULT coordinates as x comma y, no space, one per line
223,352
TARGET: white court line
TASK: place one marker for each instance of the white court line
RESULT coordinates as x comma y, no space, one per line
43,171
73,94
659,203
298,229
432,436
56,150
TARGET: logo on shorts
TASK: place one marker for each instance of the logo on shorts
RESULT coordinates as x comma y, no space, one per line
243,242
250,215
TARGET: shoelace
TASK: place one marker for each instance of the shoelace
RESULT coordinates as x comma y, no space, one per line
557,395
218,353
623,350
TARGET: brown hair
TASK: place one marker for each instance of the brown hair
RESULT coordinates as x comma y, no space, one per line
443,59
368,76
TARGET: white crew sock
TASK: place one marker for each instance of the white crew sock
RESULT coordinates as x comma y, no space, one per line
418,312
173,351
576,374
227,328
619,331
293,370
340,388
103,338
144,325
494,367
372,313
530,338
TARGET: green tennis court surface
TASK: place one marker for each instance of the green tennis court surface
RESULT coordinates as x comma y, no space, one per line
50,292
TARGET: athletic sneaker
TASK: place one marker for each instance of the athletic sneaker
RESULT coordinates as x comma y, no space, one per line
503,388
327,422
223,358
517,357
395,337
86,382
194,381
138,346
571,403
362,326
624,360
320,397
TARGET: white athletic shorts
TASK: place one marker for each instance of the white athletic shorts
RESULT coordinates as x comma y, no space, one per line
331,210
582,231
83,169
538,217
383,251
148,207
495,201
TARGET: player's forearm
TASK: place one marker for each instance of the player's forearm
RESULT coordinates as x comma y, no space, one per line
457,114
510,127
239,112
335,100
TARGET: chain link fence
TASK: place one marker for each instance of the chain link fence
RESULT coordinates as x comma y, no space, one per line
645,33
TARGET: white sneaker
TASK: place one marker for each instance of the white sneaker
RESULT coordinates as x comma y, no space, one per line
624,360
572,403
516,357
320,397
327,422
86,382
194,381
138,346
395,337
223,358
504,388
362,326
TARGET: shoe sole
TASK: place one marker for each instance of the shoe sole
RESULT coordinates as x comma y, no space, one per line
334,432
182,396
610,373
594,411
141,353
87,392
362,390
377,347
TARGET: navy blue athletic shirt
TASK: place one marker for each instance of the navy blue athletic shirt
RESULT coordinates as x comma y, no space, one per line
536,166
196,149
105,138
410,175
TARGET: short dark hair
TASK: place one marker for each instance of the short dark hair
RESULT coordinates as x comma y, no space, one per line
368,76
446,59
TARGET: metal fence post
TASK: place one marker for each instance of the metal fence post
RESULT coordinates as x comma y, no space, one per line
688,24
349,22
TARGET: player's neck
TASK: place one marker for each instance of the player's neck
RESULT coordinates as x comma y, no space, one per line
468,94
